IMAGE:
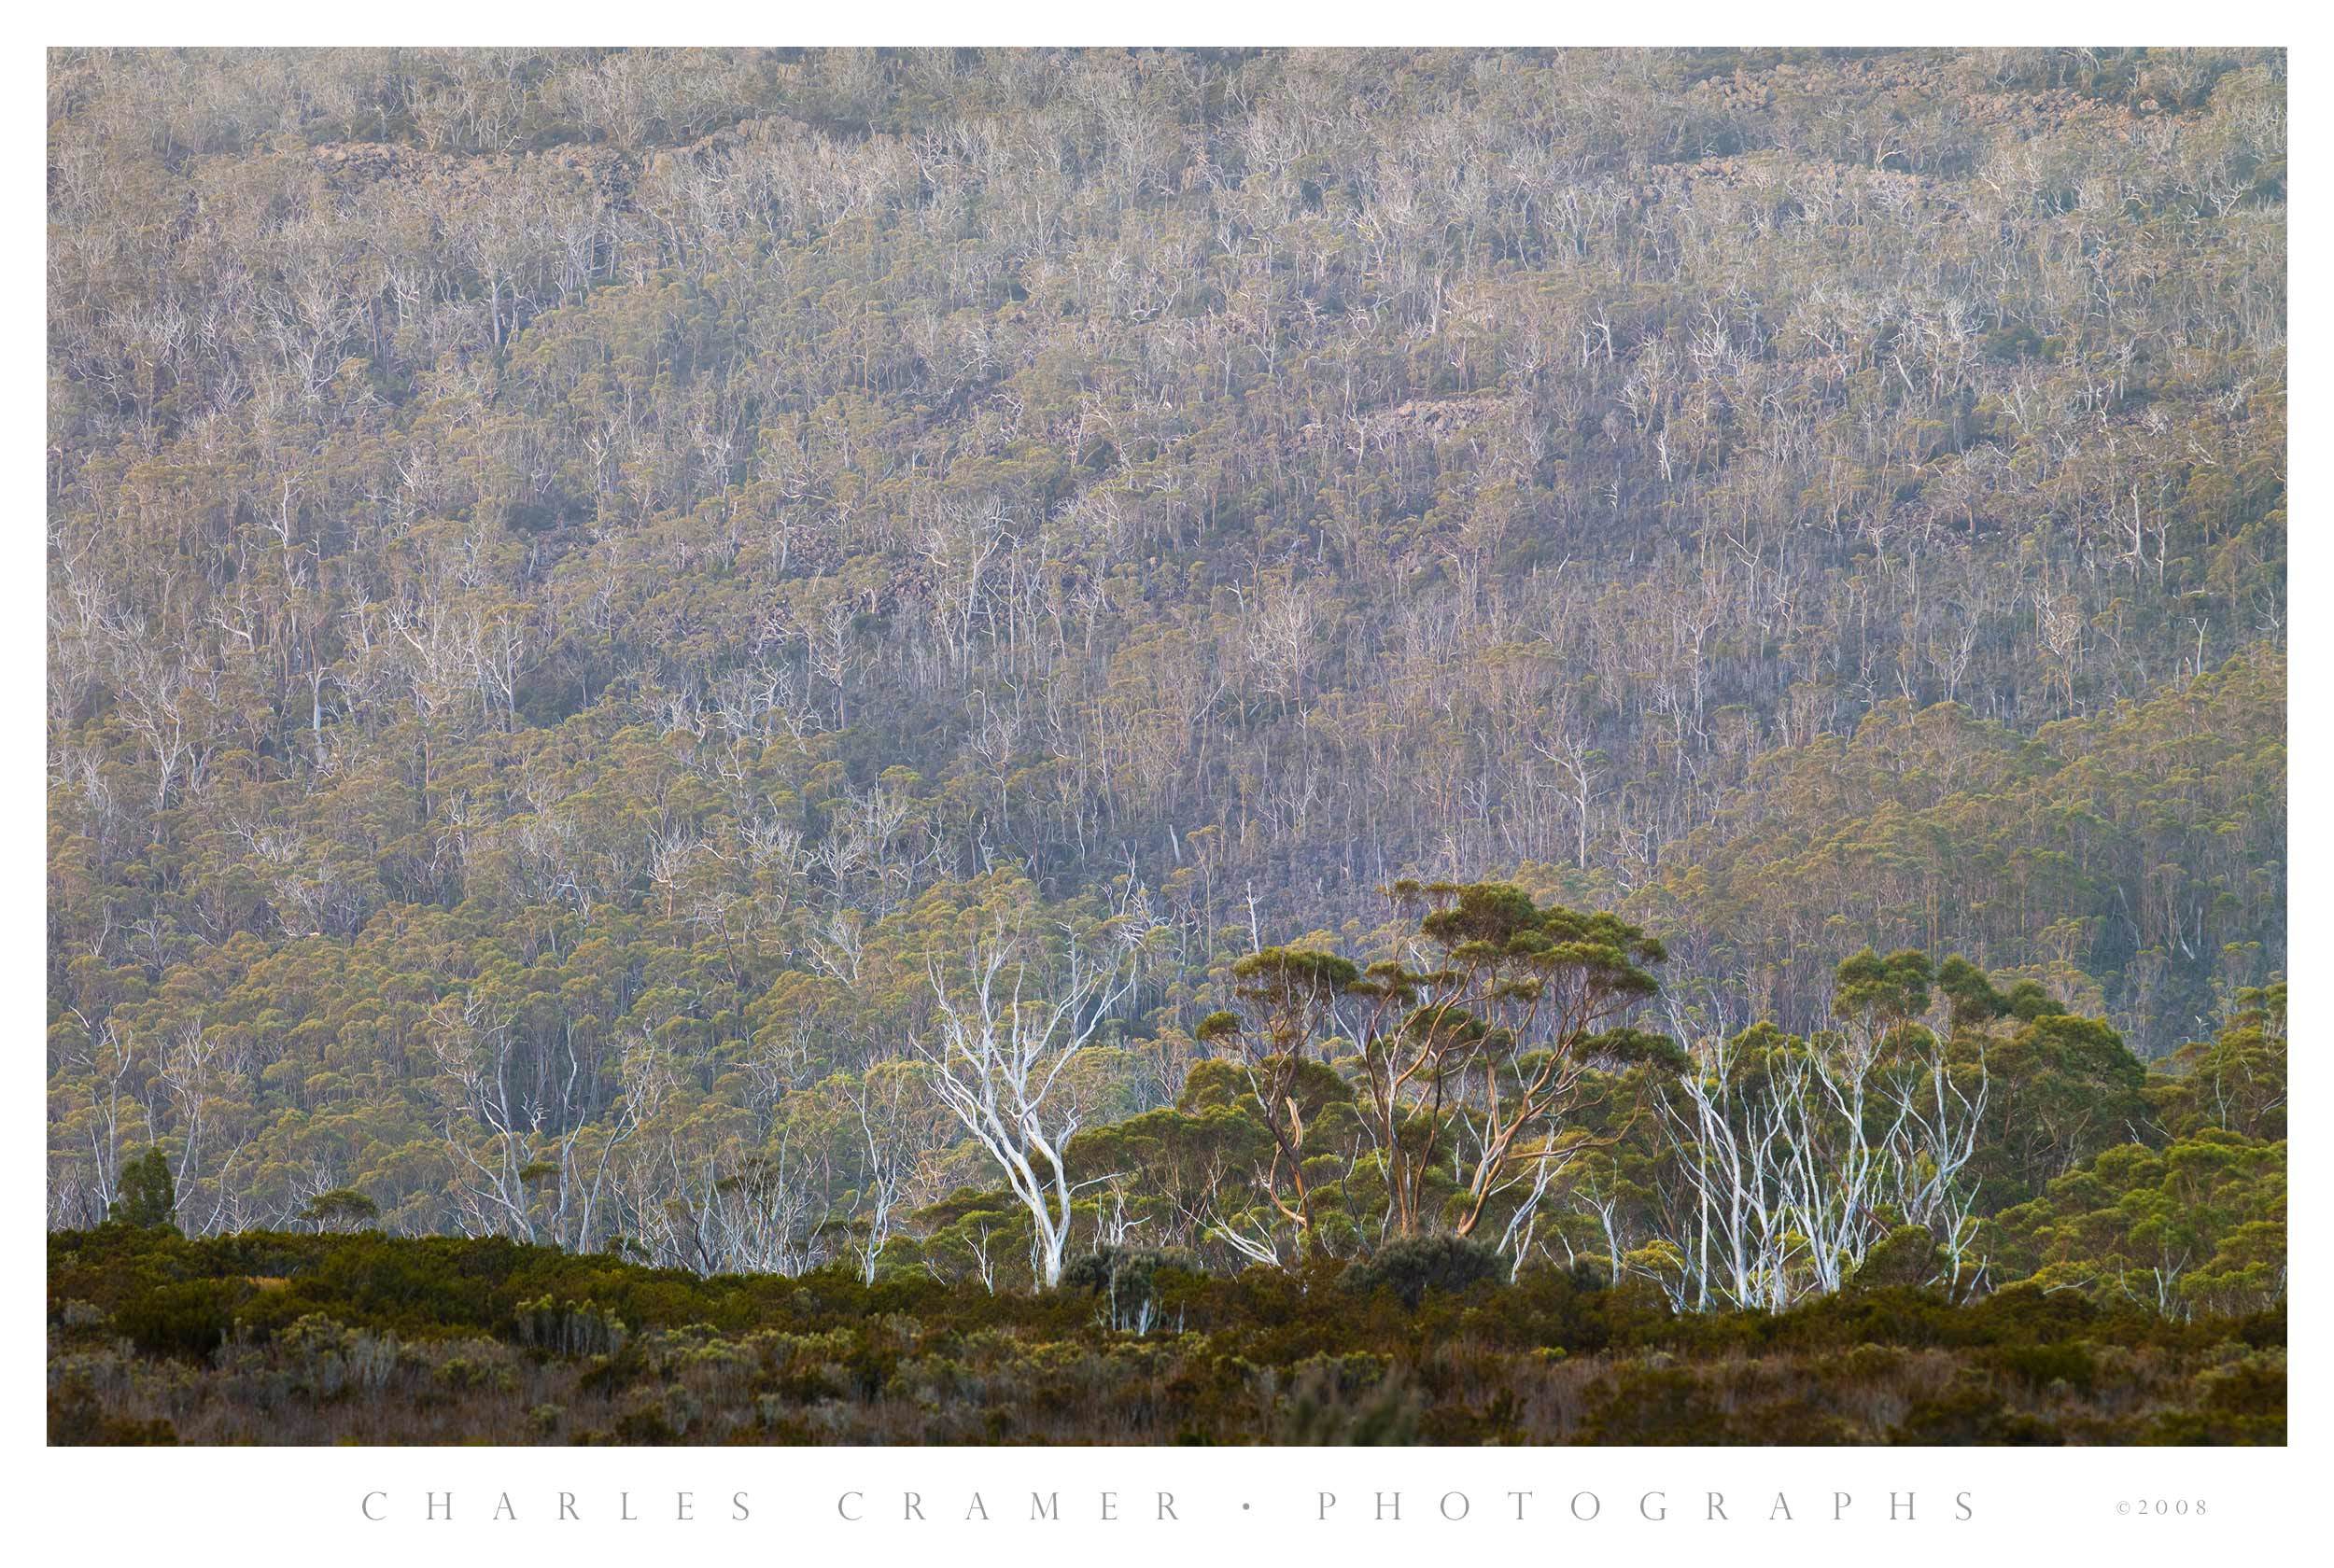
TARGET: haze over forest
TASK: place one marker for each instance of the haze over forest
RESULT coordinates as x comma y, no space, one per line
591,593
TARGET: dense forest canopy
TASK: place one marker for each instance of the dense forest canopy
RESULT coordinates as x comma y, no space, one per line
634,633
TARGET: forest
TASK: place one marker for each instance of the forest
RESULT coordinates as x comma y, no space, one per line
906,711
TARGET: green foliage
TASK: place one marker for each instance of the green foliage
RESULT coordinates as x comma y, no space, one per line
189,1317
1127,1283
342,1209
1411,1268
2236,1081
1292,989
2196,1227
146,1199
1908,1256
307,1337
1886,993
2063,1089
1975,1000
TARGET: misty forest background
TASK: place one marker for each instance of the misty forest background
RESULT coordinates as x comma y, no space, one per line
594,596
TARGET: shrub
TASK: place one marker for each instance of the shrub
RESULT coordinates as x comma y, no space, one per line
1127,1280
188,1318
1908,1255
1426,1343
1413,1266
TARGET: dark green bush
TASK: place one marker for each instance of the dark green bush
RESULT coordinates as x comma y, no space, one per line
188,1318
1413,1266
147,1199
451,1340
1127,1281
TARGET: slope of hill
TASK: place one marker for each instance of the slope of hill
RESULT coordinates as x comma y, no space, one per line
569,571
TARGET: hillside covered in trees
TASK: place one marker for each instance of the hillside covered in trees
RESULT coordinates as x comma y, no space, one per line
1659,669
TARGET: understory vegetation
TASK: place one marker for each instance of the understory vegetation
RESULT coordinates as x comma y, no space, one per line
280,1338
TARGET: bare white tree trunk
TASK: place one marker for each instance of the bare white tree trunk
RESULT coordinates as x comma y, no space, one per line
1004,1039
1790,1187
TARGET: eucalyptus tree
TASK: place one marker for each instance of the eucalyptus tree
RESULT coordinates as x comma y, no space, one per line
1016,1003
1799,1155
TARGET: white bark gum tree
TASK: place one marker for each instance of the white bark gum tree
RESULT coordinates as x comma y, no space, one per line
1787,1185
1006,1036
